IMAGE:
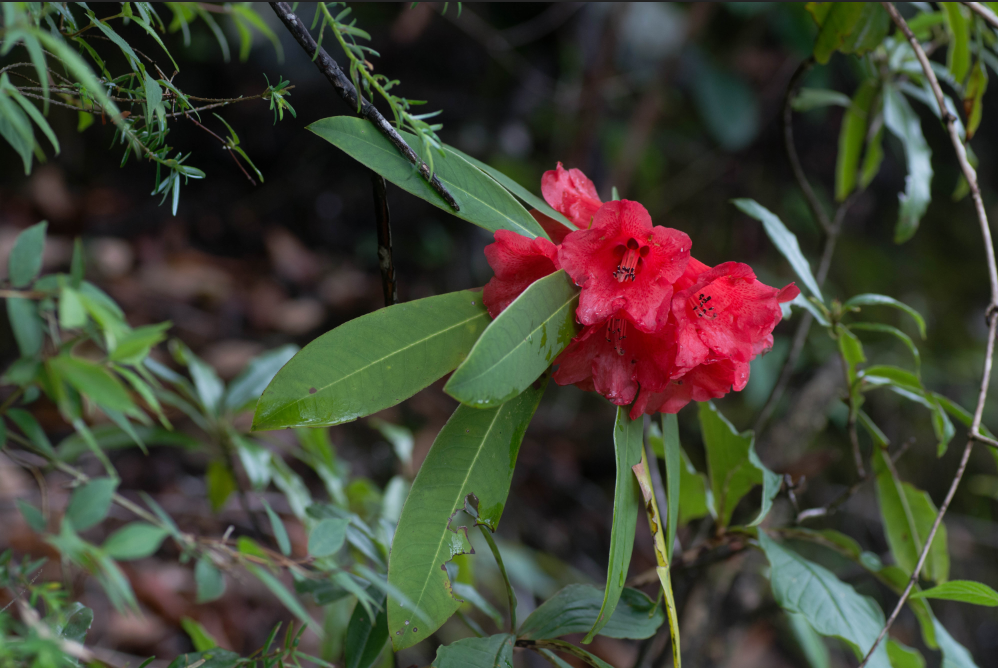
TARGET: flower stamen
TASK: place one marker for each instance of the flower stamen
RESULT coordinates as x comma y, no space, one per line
627,268
702,310
616,332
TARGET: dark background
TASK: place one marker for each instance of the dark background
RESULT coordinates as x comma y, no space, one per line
677,106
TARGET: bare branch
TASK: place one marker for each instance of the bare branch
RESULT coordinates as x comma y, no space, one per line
346,89
383,223
968,172
982,11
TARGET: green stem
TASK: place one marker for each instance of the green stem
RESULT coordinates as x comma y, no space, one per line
502,569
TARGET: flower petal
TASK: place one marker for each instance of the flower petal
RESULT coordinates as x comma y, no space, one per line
517,262
570,193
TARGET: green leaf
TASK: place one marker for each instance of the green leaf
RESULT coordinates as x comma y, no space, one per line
893,331
955,655
901,120
373,362
733,466
851,138
280,532
200,638
285,597
830,606
27,325
958,54
516,347
518,190
883,374
483,201
973,95
25,259
207,383
849,28
628,440
111,437
27,423
470,595
807,99
327,537
965,591
693,491
32,515
134,346
784,240
902,656
247,387
134,541
489,652
474,453
220,483
366,639
90,502
872,158
212,658
77,624
884,300
93,381
673,478
209,580
851,349
908,514
72,313
810,642
545,648
575,608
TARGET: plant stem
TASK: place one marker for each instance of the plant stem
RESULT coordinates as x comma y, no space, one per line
502,569
383,223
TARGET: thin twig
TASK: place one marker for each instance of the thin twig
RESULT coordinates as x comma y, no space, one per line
383,223
225,146
345,88
985,440
788,140
982,11
971,175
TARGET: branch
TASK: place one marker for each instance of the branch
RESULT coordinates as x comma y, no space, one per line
346,89
968,172
383,222
983,12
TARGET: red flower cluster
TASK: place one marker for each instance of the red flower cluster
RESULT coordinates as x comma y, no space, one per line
660,328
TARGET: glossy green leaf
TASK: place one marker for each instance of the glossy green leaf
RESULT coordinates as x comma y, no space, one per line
852,136
902,122
628,441
285,597
807,99
784,240
77,624
965,591
830,606
90,502
94,381
474,453
373,362
516,347
673,478
26,324
908,514
277,526
958,52
884,300
200,638
489,652
137,540
483,201
25,259
327,537
732,465
365,639
693,491
209,581
575,608
517,190
246,388
902,656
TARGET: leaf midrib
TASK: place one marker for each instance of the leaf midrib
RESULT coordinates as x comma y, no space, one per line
397,351
524,342
456,187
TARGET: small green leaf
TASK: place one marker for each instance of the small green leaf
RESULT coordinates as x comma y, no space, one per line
209,580
134,346
32,515
732,465
72,314
207,383
575,608
77,624
784,240
958,53
483,201
220,482
489,652
200,638
693,491
628,439
373,362
27,423
25,259
872,158
90,503
516,347
94,381
810,642
893,331
327,537
277,526
134,541
212,658
366,638
27,325
807,99
902,656
851,138
247,387
474,453
884,300
973,97
965,591
901,120
285,597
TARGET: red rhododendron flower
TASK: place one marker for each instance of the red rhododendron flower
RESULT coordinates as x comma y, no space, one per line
624,263
726,314
517,262
614,358
572,194
702,383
